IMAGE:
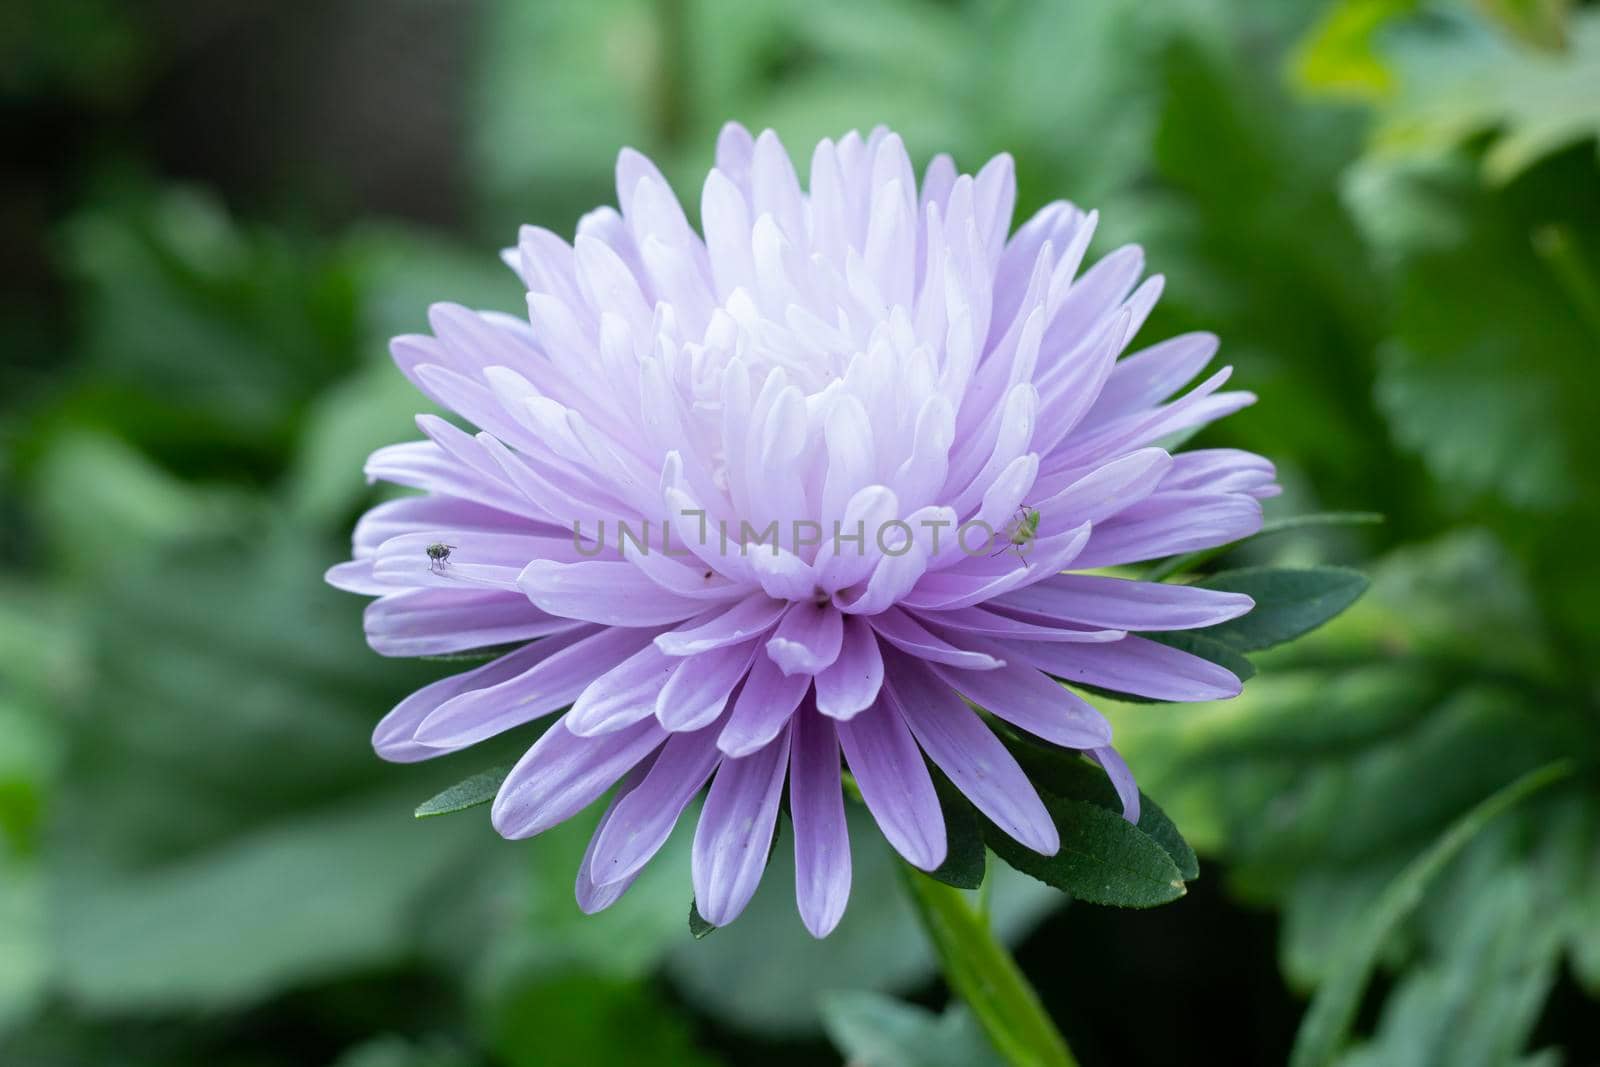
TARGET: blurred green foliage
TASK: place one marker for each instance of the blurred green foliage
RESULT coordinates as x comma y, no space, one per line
1389,210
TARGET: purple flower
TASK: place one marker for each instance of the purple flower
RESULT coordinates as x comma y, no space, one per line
727,501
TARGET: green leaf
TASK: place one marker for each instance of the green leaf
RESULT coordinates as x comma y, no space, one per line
874,1030
1464,79
1289,602
1337,56
697,923
965,860
467,793
1064,773
1334,1007
1104,859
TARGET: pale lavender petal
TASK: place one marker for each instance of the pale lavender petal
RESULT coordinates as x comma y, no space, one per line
1116,769
1108,490
567,664
433,622
623,695
563,773
972,581
808,640
639,826
1221,470
395,736
764,705
968,752
416,514
747,619
850,684
735,831
592,897
355,576
821,838
989,623
1120,603
1150,376
1133,665
613,593
904,632
895,784
700,685
1169,523
1025,698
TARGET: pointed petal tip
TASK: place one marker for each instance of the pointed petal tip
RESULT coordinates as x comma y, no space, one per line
819,924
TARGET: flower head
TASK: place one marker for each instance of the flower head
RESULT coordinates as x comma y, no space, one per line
728,500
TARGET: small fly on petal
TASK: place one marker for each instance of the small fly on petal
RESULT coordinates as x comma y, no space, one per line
439,557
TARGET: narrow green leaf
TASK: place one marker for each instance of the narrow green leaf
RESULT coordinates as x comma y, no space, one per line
979,968
1104,859
467,793
1333,1009
697,922
1161,570
1289,602
965,861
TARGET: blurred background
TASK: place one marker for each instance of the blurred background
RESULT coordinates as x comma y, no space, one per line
214,216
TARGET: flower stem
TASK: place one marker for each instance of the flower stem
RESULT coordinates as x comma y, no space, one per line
978,967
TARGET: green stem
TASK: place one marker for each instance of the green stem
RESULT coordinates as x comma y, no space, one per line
978,967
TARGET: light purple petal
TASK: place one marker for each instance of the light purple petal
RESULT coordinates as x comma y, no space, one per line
808,639
1119,603
895,784
1150,376
1220,470
989,623
972,581
433,622
394,737
640,825
1116,769
1109,489
850,684
764,705
743,621
355,576
414,514
699,687
1133,665
593,897
735,831
904,632
566,665
623,695
968,752
563,773
821,839
614,593
1169,523
1027,699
